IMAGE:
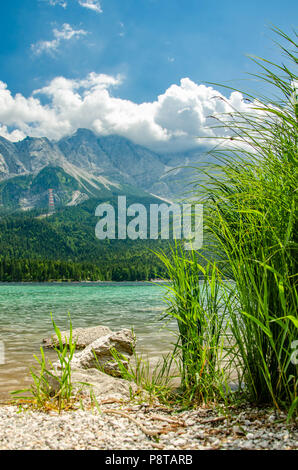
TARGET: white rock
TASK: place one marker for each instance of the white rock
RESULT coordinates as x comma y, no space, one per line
98,353
103,386
82,336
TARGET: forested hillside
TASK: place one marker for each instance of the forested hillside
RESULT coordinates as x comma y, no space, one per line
63,246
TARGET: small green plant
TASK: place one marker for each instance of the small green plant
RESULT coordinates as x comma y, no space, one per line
156,381
52,389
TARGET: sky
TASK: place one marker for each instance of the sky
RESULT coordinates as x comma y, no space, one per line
138,68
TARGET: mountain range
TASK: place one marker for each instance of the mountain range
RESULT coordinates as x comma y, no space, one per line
83,170
85,166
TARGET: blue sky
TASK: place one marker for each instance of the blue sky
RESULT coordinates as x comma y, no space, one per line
146,46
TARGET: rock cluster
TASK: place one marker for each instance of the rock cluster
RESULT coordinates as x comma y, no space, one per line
94,364
99,353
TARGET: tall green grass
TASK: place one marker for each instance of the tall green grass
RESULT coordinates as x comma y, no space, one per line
250,220
196,300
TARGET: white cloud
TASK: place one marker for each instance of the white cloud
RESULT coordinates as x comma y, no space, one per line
122,29
93,5
13,136
61,3
172,122
65,34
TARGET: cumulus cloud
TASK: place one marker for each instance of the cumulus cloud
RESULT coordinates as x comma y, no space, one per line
13,136
93,5
172,122
65,34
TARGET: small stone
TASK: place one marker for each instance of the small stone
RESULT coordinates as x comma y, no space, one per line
271,418
216,443
238,430
180,442
249,444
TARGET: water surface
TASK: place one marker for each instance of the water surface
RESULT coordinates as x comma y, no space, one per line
25,318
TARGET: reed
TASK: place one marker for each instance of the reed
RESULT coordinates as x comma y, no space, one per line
250,222
195,298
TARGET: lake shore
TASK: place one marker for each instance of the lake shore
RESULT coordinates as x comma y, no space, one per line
25,319
122,424
131,425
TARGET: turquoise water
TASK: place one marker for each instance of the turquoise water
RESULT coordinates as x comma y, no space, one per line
25,318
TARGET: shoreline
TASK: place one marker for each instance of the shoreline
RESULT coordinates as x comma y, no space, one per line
133,426
120,415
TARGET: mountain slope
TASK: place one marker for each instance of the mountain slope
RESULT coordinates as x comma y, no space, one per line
64,246
70,188
90,163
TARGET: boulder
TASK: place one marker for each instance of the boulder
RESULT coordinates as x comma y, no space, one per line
83,336
85,381
102,385
98,353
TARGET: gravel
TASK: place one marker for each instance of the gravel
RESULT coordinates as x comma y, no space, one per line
142,426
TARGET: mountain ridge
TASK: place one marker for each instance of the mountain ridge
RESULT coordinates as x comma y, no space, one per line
93,163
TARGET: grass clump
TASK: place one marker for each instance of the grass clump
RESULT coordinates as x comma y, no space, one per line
51,389
156,381
250,222
195,300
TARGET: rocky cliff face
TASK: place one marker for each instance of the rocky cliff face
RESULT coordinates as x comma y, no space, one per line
10,164
115,157
79,166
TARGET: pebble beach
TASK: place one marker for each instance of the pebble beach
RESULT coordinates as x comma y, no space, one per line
146,427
